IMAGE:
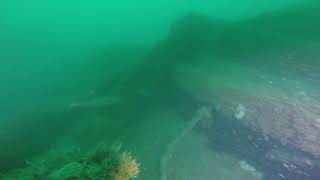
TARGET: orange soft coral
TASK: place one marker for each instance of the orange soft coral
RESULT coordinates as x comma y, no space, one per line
128,167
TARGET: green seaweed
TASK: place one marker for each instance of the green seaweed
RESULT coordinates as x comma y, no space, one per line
104,162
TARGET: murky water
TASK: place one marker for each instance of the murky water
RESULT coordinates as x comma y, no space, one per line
193,90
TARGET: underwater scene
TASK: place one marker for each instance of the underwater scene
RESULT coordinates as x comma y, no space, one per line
160,90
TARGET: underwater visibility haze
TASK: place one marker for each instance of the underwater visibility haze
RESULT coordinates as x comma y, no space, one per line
160,90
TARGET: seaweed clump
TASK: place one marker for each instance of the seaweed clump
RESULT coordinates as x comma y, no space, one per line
105,163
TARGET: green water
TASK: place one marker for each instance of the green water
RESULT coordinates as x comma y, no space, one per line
75,74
